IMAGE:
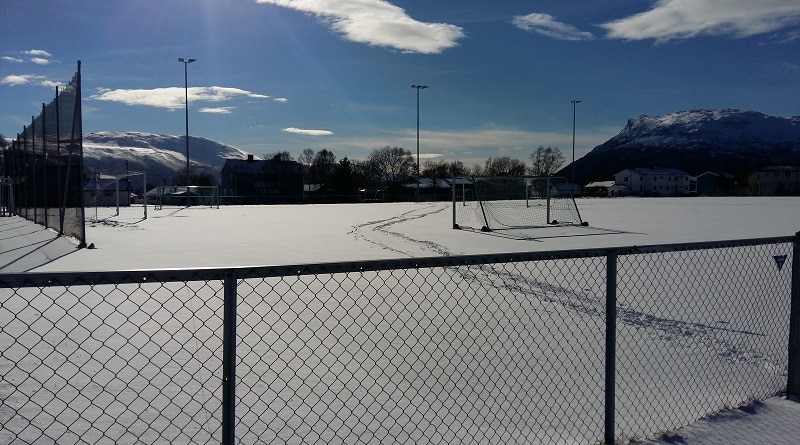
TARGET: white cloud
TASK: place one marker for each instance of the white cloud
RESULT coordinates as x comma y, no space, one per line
281,99
38,53
172,97
378,23
683,19
27,79
12,59
217,110
40,61
308,132
547,25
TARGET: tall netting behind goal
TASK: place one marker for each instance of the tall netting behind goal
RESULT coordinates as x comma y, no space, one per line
513,202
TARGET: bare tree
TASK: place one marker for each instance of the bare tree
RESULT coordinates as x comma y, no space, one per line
306,158
322,166
278,156
443,169
546,161
504,166
393,164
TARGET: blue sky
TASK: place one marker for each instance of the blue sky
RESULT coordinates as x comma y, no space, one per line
275,75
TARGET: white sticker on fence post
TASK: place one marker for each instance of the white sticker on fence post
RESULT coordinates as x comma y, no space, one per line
779,261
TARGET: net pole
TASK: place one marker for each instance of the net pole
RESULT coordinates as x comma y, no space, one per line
486,227
58,164
44,163
116,191
453,189
527,194
144,193
547,187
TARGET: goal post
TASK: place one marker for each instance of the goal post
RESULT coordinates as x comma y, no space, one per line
512,202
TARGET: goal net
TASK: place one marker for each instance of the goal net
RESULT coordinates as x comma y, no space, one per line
116,196
184,196
512,202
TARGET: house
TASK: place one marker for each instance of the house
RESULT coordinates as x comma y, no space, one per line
654,181
257,181
598,188
106,190
775,181
713,184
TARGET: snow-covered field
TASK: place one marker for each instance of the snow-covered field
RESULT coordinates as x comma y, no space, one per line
277,235
271,235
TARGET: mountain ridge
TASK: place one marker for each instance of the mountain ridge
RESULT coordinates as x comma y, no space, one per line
722,140
161,156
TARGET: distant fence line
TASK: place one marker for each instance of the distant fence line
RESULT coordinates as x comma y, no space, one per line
579,346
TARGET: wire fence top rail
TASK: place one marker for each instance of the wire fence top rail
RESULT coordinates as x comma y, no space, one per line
43,279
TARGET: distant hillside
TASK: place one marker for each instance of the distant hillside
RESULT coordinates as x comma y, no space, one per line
732,141
161,156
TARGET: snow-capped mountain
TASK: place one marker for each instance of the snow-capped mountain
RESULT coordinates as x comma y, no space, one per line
731,141
161,156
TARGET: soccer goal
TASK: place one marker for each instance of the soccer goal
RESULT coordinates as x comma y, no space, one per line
116,196
512,202
184,196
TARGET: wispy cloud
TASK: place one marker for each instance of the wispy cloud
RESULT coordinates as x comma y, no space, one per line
308,132
37,56
683,19
174,97
547,25
217,110
378,23
27,79
38,53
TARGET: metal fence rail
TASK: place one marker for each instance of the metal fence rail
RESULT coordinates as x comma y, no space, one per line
579,346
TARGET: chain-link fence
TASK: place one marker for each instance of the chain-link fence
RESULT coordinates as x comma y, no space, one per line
561,347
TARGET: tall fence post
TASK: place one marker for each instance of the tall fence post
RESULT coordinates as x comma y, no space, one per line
229,359
611,347
793,380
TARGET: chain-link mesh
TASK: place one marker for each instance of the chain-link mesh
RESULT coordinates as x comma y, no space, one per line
489,349
125,363
699,331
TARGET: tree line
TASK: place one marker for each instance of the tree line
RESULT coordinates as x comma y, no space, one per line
391,166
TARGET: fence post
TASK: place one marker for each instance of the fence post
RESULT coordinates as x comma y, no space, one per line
229,359
611,347
793,380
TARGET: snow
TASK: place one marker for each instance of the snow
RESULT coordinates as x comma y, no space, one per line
291,234
274,235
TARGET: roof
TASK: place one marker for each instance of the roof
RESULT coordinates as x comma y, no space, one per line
656,171
600,184
256,166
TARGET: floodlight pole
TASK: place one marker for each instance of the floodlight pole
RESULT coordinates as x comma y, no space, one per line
186,91
574,103
418,87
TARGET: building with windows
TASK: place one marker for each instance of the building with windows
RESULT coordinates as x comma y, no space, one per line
775,181
654,181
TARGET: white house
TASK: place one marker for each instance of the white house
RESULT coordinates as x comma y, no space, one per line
107,190
654,181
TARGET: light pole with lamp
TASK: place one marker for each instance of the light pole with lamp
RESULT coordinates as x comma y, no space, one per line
574,103
186,90
418,87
